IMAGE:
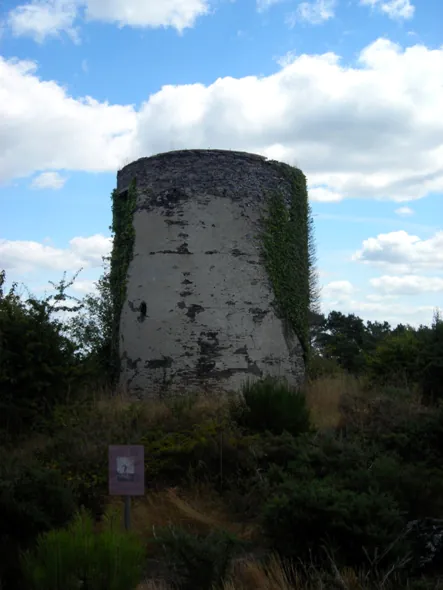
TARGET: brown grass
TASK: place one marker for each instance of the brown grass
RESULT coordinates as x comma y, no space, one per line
276,575
324,397
199,509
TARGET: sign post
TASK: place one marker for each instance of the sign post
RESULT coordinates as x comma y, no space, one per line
127,474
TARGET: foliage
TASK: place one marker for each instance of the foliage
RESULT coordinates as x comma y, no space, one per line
77,556
272,405
404,357
197,561
33,499
320,367
342,340
353,483
289,255
38,365
91,328
395,359
432,360
302,517
122,252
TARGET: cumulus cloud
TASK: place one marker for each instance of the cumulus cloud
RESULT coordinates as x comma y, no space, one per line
404,252
384,305
41,19
179,14
404,211
27,256
51,180
407,284
42,127
338,290
314,13
372,130
324,195
395,9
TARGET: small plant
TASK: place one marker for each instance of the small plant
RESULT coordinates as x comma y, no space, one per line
33,500
303,517
197,561
271,405
77,557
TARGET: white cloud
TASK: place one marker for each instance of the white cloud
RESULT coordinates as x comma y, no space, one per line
42,127
403,252
44,18
28,257
85,287
179,14
340,296
395,9
314,13
386,311
286,59
338,290
51,180
369,131
324,195
41,19
404,211
263,5
407,284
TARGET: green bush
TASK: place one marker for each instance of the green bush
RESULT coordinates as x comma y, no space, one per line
33,499
302,517
37,360
197,561
67,559
271,405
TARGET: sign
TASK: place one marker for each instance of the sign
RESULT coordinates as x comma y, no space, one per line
126,470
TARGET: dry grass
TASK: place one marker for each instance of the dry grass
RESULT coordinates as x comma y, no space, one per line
199,509
324,397
276,575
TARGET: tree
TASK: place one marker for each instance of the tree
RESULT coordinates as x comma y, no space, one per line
92,327
38,365
342,339
396,358
431,359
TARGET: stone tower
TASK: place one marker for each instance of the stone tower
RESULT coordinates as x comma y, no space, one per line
199,309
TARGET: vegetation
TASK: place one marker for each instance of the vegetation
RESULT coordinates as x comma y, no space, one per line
123,206
339,485
289,255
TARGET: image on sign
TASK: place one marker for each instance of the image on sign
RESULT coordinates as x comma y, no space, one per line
125,468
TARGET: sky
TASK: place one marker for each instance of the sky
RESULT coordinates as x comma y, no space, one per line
350,91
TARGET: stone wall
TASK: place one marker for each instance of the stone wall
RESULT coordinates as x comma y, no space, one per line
199,310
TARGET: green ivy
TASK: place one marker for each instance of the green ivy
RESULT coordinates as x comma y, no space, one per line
123,231
289,255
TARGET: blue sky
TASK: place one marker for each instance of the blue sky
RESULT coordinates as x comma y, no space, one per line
349,90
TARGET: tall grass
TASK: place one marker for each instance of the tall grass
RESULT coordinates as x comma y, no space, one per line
76,557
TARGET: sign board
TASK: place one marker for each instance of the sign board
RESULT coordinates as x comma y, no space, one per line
126,470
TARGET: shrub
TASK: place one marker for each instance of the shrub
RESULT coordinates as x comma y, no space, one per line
33,499
197,561
304,516
37,360
76,557
271,405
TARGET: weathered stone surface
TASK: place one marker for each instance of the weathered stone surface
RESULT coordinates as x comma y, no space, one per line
199,306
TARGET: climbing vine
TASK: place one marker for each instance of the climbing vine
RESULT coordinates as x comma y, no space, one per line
123,206
289,255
